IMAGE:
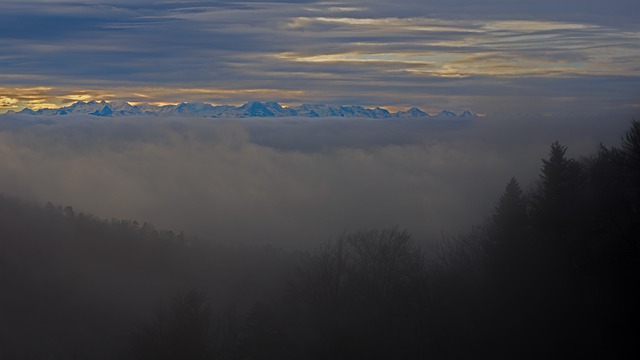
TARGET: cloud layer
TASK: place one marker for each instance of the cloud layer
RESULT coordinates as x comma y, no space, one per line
579,56
290,183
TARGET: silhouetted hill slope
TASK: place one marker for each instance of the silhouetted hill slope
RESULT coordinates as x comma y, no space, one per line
552,273
73,283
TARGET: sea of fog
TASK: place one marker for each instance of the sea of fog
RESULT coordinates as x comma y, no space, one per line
289,182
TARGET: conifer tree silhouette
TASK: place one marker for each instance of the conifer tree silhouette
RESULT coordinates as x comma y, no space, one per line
510,222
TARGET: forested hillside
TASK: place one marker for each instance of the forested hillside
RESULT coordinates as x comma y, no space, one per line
73,284
553,272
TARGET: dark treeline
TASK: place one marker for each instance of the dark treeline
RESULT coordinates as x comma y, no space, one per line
553,272
75,286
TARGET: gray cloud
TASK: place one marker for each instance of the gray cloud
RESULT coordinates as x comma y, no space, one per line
289,183
408,53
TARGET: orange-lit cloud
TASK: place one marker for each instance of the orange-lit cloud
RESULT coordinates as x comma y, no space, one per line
35,98
407,52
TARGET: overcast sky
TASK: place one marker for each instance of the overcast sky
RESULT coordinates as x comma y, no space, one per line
546,56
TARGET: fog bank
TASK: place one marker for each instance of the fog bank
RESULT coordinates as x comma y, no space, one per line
291,182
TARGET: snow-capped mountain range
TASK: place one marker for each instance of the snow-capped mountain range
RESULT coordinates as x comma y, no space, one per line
248,110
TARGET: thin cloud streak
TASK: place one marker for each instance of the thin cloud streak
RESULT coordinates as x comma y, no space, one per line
309,51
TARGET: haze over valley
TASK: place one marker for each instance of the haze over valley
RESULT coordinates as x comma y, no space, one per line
304,179
296,182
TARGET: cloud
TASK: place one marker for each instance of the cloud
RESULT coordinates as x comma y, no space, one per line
290,183
8,102
378,53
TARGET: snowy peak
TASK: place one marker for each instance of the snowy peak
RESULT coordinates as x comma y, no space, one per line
413,112
248,110
447,113
256,109
467,114
106,111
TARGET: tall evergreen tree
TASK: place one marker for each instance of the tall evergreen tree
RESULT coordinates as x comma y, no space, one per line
510,221
507,231
631,161
557,200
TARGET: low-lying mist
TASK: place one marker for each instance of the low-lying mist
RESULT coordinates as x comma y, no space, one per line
290,183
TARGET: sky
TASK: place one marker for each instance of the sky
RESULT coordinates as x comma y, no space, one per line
493,56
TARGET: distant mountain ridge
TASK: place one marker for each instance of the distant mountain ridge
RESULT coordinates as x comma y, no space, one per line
248,110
